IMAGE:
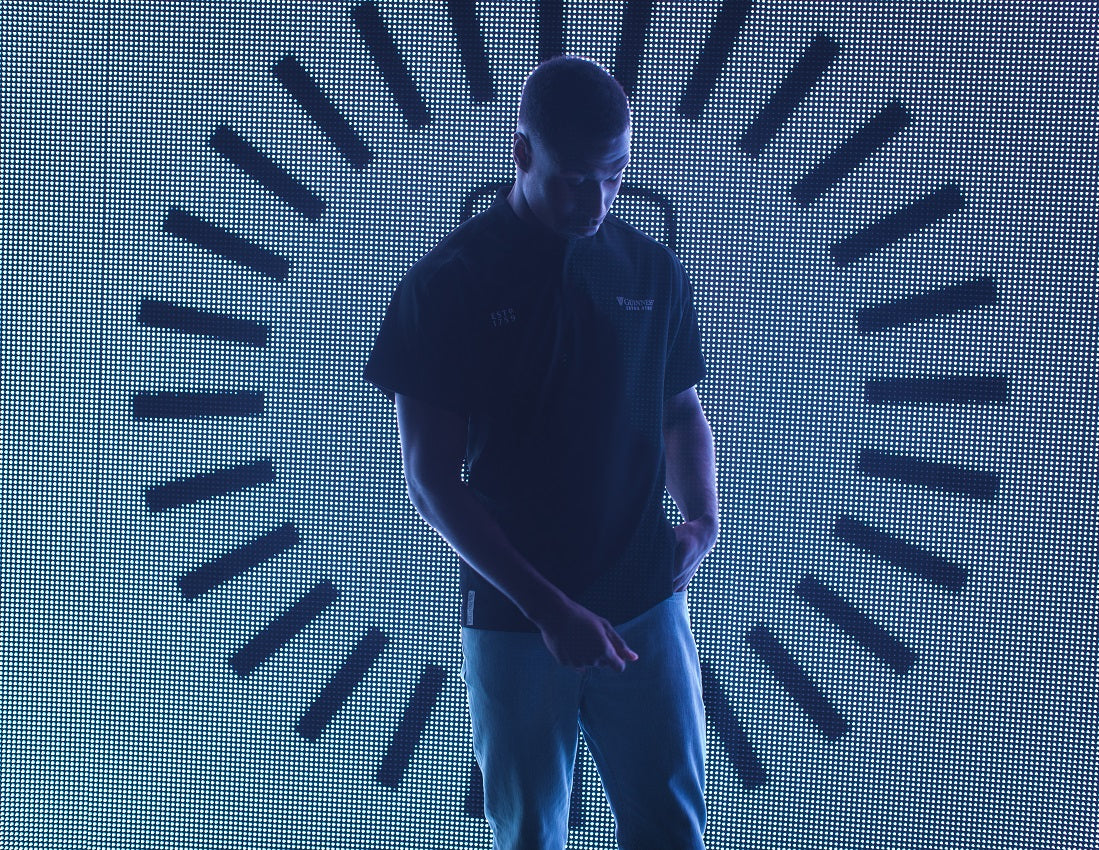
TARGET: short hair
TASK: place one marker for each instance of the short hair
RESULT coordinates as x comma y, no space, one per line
568,100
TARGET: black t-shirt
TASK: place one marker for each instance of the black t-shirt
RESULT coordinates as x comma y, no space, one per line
560,352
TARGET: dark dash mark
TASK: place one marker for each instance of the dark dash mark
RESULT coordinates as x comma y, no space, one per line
341,685
163,314
208,485
790,675
911,558
238,561
851,154
410,730
551,28
955,389
197,405
471,47
980,292
225,244
474,804
283,629
730,731
857,624
790,93
379,41
715,51
273,178
296,80
631,41
975,483
895,226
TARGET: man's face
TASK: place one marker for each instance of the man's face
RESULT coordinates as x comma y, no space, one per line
571,192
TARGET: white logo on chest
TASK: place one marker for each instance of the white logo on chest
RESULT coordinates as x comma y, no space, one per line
635,303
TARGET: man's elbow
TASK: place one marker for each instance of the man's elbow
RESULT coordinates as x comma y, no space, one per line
418,493
426,494
682,410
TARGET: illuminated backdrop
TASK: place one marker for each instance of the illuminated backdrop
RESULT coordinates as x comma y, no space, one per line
225,624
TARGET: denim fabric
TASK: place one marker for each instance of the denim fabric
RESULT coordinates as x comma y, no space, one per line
645,728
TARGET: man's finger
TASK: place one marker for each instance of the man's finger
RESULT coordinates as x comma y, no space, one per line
621,648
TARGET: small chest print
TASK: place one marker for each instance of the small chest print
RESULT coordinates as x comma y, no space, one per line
502,317
636,304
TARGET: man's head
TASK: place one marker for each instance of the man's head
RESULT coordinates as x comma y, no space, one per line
571,143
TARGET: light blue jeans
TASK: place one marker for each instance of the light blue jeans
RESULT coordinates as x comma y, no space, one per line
645,729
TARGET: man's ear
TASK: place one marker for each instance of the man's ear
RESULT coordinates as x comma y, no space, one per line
520,151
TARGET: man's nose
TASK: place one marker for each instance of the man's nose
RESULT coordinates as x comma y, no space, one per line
610,191
598,200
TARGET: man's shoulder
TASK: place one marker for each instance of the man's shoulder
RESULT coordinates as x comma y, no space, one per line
623,236
461,255
645,257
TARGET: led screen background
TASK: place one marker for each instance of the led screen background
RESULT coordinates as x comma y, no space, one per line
232,629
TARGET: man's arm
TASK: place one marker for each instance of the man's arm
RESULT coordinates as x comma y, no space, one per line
433,444
691,481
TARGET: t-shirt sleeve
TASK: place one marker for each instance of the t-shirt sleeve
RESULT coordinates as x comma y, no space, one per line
419,351
684,366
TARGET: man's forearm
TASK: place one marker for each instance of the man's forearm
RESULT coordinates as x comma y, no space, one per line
452,510
691,470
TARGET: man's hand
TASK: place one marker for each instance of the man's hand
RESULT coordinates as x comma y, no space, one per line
579,639
693,540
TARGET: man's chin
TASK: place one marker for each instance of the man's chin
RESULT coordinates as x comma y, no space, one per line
583,230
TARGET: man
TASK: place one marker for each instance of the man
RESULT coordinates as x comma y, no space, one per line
554,349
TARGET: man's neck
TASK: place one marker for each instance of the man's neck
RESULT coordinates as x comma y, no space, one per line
518,203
